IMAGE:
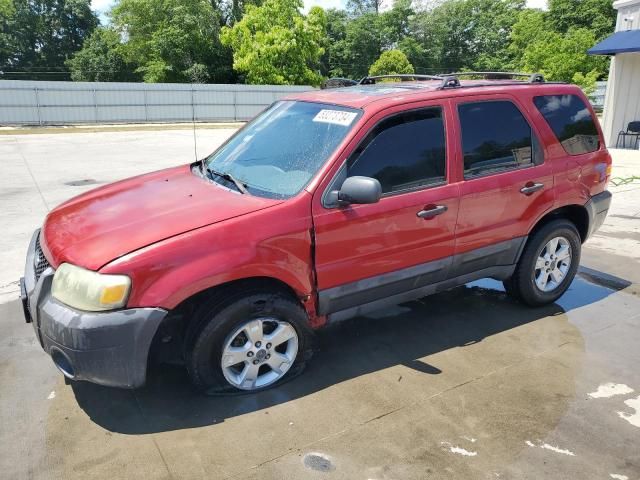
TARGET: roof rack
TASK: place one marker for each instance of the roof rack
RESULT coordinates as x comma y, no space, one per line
532,77
447,81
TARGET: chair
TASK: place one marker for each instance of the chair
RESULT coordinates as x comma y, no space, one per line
633,131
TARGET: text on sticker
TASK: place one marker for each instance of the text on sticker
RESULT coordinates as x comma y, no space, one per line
337,117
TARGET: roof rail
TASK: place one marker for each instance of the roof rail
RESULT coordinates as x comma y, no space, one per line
403,76
447,81
532,77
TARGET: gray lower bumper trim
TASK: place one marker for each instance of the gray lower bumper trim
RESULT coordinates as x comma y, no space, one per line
108,348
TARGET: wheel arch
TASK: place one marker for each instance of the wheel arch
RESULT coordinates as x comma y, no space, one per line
168,340
576,214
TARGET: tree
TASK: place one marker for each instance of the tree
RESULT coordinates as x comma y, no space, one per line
358,36
231,11
459,34
172,40
360,7
6,16
391,62
599,16
276,44
530,27
40,35
334,55
564,57
102,59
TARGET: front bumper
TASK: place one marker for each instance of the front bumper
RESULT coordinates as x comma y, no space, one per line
108,348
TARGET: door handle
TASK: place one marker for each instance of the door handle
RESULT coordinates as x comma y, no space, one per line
530,188
432,211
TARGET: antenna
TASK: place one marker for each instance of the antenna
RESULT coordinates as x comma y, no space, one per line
193,121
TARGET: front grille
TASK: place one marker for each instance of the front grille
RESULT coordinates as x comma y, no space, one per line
40,262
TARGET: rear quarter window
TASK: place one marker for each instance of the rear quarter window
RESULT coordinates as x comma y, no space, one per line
571,122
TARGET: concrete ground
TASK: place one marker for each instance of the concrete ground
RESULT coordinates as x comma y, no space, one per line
464,384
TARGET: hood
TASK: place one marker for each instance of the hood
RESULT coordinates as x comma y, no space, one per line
99,226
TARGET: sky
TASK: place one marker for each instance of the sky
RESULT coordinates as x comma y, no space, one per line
101,6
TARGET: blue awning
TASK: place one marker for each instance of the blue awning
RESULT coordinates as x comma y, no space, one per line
619,42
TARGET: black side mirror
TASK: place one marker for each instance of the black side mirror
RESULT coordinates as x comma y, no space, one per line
360,190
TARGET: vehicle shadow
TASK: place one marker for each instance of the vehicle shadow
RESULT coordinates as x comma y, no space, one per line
402,335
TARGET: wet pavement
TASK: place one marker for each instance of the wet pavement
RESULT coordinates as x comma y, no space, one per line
464,384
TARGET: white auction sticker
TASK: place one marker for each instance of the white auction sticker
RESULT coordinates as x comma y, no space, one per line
335,116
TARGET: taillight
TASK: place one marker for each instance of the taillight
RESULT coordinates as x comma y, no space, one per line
608,170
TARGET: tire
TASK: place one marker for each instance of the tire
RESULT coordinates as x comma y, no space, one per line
527,283
239,315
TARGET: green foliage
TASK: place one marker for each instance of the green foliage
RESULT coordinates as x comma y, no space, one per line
531,26
276,44
461,34
6,9
40,35
598,16
586,81
6,17
172,40
357,37
102,59
271,41
562,56
391,62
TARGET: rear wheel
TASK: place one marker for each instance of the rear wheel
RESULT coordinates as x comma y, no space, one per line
548,264
246,342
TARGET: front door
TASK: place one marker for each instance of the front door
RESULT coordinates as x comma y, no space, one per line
406,240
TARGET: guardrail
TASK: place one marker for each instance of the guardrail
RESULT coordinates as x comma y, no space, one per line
59,103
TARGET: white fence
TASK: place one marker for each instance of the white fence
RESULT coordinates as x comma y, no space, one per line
51,103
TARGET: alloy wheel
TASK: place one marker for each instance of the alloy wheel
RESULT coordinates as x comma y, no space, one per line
258,353
552,264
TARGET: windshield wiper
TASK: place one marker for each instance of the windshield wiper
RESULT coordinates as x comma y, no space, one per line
242,187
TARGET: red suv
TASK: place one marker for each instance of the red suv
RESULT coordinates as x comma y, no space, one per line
329,204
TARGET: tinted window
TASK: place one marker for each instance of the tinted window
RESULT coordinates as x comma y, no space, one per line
495,137
403,152
571,121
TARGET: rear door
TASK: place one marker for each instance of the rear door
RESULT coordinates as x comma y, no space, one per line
368,252
506,184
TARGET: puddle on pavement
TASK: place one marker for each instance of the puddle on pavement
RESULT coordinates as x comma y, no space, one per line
467,362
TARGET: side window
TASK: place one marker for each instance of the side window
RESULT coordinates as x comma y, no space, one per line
496,137
571,121
403,152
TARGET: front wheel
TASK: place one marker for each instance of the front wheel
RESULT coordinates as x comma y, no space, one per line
248,342
548,264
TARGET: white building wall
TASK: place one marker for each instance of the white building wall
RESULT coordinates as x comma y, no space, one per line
628,15
622,100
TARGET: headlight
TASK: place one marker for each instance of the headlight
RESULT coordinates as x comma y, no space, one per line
87,290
